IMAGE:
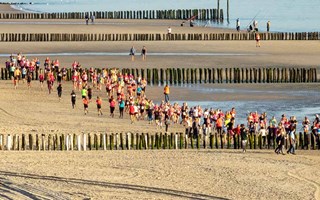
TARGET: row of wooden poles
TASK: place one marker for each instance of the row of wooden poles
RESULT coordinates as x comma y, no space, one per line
180,14
156,76
140,141
70,37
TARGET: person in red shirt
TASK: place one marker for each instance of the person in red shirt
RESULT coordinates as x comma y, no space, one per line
132,113
112,106
99,103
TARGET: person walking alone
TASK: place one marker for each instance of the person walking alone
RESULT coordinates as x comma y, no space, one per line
144,53
166,92
132,53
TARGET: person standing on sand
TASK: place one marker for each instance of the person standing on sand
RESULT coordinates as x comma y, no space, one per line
59,89
268,26
244,137
238,25
73,99
132,53
258,40
306,135
166,92
144,53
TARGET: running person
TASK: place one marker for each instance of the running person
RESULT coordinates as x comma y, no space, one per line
59,89
41,80
73,99
112,106
85,105
99,103
29,78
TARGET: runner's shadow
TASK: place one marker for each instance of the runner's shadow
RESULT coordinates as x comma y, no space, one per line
169,192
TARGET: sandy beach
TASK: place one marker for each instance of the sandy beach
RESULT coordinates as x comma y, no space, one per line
157,174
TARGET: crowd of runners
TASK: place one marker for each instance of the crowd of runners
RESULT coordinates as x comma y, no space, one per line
127,94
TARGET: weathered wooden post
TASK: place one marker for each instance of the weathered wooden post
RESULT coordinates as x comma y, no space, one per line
23,142
128,135
157,141
79,142
137,141
176,141
96,145
181,140
67,142
152,142
62,142
89,141
43,142
9,142
84,142
30,142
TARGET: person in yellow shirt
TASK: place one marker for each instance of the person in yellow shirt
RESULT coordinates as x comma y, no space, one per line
166,92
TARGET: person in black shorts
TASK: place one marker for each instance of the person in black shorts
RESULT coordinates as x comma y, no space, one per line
73,98
144,53
59,89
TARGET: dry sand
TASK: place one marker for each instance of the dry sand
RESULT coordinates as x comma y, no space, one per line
164,174
185,174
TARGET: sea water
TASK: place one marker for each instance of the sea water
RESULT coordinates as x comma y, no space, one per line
285,15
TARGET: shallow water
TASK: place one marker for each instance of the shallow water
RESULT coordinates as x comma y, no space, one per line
298,108
285,15
126,54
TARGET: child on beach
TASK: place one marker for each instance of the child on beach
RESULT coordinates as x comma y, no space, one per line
258,40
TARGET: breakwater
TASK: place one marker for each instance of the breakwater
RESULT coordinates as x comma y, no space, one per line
78,37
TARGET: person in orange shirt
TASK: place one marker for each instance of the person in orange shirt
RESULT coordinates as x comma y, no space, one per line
99,103
166,92
85,105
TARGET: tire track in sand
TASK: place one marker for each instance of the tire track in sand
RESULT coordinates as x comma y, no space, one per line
316,185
